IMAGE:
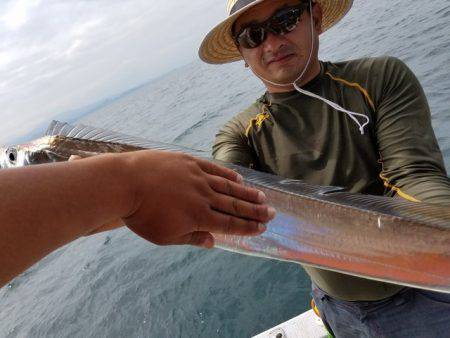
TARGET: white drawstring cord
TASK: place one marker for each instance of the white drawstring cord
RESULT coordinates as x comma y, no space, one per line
337,107
334,105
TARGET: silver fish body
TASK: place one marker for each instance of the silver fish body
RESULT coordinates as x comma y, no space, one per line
373,237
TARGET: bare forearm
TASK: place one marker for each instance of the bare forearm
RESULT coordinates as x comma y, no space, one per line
44,207
166,198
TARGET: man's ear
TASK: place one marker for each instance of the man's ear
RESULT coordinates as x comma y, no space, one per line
246,65
317,17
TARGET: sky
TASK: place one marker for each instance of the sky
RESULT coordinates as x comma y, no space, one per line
59,55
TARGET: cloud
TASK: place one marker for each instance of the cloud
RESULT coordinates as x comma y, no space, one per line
58,55
6,58
17,13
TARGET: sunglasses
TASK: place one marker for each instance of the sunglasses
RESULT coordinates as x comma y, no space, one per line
282,22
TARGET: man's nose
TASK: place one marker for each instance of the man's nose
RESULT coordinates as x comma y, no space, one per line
272,42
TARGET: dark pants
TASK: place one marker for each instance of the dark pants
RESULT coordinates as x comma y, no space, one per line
410,313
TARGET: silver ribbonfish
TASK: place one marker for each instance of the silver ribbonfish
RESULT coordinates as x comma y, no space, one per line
374,237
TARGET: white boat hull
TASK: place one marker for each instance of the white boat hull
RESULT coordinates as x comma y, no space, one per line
306,325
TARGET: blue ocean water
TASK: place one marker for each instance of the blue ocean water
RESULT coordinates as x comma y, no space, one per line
117,285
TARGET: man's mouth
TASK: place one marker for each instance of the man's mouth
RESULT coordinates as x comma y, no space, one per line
279,58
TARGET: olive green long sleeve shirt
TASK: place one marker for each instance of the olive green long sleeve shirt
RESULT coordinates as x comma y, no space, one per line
299,137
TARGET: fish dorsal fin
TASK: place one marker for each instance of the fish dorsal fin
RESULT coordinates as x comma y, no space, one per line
83,132
339,197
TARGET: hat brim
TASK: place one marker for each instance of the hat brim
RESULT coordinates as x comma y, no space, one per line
218,46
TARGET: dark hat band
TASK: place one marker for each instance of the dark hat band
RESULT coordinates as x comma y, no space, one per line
239,5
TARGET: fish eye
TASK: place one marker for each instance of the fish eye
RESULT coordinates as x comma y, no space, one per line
12,155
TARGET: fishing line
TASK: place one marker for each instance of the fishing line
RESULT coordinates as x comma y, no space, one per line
332,104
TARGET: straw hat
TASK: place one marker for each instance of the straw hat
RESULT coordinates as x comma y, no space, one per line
218,46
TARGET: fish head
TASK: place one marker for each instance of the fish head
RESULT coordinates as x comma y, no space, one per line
13,156
23,155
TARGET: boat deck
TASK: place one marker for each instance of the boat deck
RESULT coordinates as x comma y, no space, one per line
306,325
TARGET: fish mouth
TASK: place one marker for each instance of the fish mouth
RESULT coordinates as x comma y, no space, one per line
3,158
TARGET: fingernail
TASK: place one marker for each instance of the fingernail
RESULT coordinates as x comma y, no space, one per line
262,227
239,178
271,212
74,157
261,197
208,243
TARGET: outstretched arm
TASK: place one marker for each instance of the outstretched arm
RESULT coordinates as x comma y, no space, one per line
167,198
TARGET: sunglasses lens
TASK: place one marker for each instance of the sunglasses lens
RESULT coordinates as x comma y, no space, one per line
251,37
282,22
285,21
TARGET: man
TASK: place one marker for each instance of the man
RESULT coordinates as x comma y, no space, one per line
166,198
362,124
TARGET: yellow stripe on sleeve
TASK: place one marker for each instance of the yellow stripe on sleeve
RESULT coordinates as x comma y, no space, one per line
398,190
354,85
258,119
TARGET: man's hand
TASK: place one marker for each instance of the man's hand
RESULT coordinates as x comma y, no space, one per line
180,199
